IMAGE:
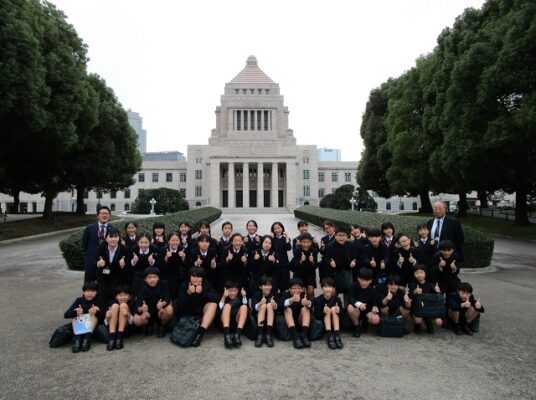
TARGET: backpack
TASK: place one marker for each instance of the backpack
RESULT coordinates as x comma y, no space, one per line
62,335
185,330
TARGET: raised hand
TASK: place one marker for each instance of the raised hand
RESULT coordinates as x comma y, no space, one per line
478,306
412,259
229,256
400,258
311,258
79,310
304,301
442,262
168,255
198,262
437,288
337,309
244,258
243,293
271,257
303,258
332,263
122,262
101,263
382,265
160,304
295,299
352,264
213,263
373,263
93,310
199,289
134,258
327,310
453,266
151,259
417,290
144,307
389,296
363,306
191,288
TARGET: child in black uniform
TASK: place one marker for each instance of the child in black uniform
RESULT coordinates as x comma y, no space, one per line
172,263
376,256
338,258
197,298
234,262
130,240
204,228
404,259
224,241
361,308
303,227
264,303
87,304
205,256
281,247
159,235
304,263
153,303
420,286
329,229
327,308
357,235
297,312
143,256
262,262
393,300
119,317
445,269
424,246
252,240
234,312
463,308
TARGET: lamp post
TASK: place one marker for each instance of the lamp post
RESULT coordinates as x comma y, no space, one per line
352,202
152,202
73,203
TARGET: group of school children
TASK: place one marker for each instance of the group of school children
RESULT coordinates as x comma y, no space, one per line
145,280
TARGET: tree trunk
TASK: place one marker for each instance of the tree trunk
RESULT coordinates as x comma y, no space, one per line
80,209
462,205
483,197
16,202
49,198
426,204
522,217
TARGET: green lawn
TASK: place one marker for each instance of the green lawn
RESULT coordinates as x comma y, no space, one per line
34,226
495,226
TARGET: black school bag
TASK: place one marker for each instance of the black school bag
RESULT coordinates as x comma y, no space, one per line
316,330
281,329
184,332
429,305
391,326
62,335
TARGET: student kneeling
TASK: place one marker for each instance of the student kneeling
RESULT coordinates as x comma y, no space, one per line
234,310
297,313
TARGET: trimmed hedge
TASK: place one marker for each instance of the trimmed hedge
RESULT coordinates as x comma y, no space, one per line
477,248
73,253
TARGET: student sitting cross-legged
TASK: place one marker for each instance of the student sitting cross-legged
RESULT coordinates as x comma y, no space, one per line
87,304
234,311
327,308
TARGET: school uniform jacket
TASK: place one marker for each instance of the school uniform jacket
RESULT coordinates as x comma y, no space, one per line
447,279
252,243
235,269
262,266
321,301
378,254
454,303
366,296
282,246
425,252
257,297
404,270
130,243
341,254
302,269
151,295
206,264
86,305
296,307
117,274
295,244
172,270
143,258
194,303
90,244
395,303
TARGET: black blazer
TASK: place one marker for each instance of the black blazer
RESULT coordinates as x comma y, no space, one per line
90,244
451,229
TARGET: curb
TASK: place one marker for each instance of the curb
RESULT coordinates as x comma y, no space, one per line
518,239
484,270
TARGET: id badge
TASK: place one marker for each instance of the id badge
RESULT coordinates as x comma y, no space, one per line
106,271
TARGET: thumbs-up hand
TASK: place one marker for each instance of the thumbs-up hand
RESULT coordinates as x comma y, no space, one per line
432,242
363,306
400,258
182,255
229,256
191,288
382,265
144,307
246,239
389,295
437,288
302,258
337,309
134,258
453,266
417,290
352,264
256,256
198,262
79,310
244,258
478,306
271,257
295,299
304,301
442,262
199,289
326,310
332,263
151,259
466,304
213,263
122,262
273,303
258,239
373,263
406,298
168,255
93,310
412,259
243,293
160,304
263,301
311,258
101,263
375,310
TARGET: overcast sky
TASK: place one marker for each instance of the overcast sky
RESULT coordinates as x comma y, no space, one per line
169,60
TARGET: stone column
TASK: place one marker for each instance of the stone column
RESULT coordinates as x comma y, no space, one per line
275,186
291,180
260,186
231,185
214,180
245,185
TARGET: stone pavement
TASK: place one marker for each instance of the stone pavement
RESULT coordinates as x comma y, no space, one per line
497,363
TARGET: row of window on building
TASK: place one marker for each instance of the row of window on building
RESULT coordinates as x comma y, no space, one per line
252,91
334,176
169,176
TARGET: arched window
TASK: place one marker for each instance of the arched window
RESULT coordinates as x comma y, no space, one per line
127,207
388,205
198,204
112,207
415,207
401,206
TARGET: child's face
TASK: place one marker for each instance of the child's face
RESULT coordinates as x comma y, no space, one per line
306,244
303,228
184,229
152,279
388,232
364,283
203,245
174,242
405,243
159,231
204,229
232,292
329,230
112,240
131,230
423,233
89,295
464,296
296,289
266,289
328,290
374,240
251,228
267,245
143,243
420,275
392,287
446,253
356,232
341,238
196,280
227,230
122,297
278,231
237,242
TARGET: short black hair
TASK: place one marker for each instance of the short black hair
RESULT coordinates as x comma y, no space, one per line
229,284
227,223
269,237
341,229
421,267
112,232
277,223
173,233
387,225
421,226
305,236
327,281
295,281
103,207
328,222
366,274
89,285
122,289
203,237
253,222
265,280
466,287
159,225
356,226
302,223
130,223
146,235
374,232
394,279
446,245
196,272
235,235
151,271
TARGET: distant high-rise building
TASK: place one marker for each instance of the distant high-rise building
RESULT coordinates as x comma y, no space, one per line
325,154
135,122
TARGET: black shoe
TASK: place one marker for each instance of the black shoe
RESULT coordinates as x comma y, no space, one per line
160,331
465,329
456,329
417,328
76,344
86,342
357,331
298,344
305,340
148,330
338,341
364,326
406,331
197,340
331,342
269,340
258,340
236,340
228,341
429,327
118,344
111,345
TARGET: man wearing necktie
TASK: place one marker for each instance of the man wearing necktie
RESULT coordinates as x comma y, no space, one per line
443,227
93,235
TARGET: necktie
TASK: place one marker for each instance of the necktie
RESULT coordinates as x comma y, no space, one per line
437,229
101,232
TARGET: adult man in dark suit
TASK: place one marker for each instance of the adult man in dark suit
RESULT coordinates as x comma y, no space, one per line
93,235
443,227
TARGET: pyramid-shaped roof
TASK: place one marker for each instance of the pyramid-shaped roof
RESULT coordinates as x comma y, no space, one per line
252,74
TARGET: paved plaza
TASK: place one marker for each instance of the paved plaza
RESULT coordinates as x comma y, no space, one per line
497,363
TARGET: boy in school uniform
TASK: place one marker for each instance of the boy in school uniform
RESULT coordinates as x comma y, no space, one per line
404,259
86,304
393,299
153,304
446,267
144,255
264,304
303,227
327,308
425,247
329,230
375,256
234,262
198,298
224,241
304,263
171,261
419,286
338,256
119,317
233,310
361,302
297,311
205,256
463,308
